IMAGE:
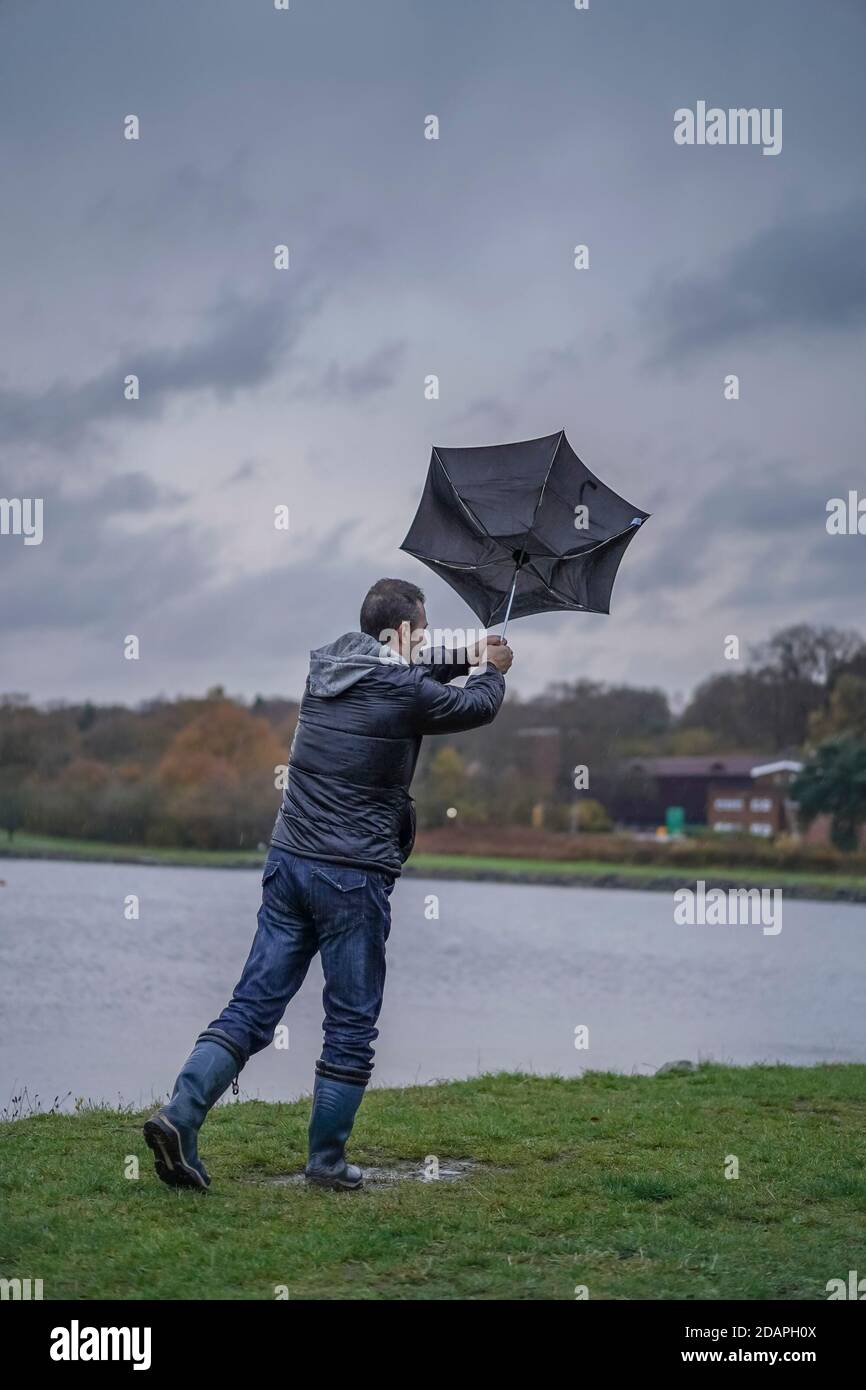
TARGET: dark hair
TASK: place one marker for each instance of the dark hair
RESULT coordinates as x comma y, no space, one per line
389,603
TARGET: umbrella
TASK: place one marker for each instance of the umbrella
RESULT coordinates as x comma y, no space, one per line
522,528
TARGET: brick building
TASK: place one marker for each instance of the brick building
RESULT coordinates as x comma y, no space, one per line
762,806
653,784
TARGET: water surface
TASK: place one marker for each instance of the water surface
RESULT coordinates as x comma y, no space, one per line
107,1009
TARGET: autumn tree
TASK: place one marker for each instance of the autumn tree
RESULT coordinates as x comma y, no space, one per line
218,777
845,712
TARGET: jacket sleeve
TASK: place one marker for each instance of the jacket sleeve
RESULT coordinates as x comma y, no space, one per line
446,665
445,709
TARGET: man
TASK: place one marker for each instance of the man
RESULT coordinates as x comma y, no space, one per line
344,830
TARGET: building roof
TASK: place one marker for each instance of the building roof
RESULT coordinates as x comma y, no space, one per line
713,765
786,765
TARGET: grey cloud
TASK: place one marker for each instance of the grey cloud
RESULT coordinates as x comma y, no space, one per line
131,492
489,411
774,499
806,272
244,471
181,199
746,522
355,381
252,633
92,572
826,575
308,129
667,564
764,503
240,350
269,619
551,364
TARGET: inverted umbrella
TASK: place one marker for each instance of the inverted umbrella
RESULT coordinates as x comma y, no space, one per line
522,528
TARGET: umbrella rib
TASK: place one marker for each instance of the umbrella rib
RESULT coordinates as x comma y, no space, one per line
477,520
607,540
468,510
549,587
556,592
529,531
546,476
452,564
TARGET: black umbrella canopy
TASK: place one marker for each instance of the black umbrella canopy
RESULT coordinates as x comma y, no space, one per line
531,510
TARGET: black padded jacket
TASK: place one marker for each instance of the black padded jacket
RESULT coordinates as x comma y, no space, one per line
362,718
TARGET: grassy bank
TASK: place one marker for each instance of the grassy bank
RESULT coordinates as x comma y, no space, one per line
590,873
593,873
26,846
609,1181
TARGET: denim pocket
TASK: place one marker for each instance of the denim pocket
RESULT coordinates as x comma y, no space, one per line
344,879
270,869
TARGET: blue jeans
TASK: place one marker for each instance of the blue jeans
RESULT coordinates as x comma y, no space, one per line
309,906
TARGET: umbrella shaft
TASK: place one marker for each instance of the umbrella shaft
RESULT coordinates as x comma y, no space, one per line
510,601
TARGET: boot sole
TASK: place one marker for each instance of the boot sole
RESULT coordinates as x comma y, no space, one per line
168,1160
334,1184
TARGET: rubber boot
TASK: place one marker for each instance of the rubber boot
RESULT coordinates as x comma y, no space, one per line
172,1133
335,1104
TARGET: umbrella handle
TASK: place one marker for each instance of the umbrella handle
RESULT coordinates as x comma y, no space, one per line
510,601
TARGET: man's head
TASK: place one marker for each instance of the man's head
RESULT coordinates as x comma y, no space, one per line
392,611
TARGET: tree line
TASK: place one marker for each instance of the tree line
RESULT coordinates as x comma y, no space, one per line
206,772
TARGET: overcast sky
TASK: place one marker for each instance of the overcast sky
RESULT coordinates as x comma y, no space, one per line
411,257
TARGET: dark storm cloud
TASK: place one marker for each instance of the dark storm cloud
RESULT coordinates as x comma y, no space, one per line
354,382
805,272
128,492
825,575
740,522
550,365
240,349
306,127
488,411
777,498
765,541
666,564
270,619
91,570
164,575
181,200
250,633
244,471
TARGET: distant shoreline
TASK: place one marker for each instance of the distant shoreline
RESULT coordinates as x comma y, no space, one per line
471,868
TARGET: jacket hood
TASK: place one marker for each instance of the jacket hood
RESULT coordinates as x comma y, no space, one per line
340,664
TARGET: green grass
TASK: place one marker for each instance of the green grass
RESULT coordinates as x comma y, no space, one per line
614,1182
24,845
641,874
587,872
